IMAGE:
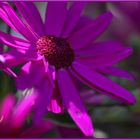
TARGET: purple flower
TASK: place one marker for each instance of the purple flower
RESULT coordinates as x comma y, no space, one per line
60,50
13,115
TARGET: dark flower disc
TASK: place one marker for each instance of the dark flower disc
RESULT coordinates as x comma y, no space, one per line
57,51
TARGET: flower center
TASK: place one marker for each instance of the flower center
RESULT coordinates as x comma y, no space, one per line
57,51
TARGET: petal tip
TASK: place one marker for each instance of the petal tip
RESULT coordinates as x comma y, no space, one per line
90,132
133,101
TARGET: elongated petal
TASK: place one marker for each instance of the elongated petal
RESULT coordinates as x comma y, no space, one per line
44,91
86,35
50,71
15,57
30,13
5,68
96,80
30,75
13,41
5,17
9,71
83,22
73,103
22,110
106,59
73,16
17,22
55,17
101,48
56,105
7,108
114,71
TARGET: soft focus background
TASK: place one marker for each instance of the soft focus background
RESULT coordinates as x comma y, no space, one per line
111,119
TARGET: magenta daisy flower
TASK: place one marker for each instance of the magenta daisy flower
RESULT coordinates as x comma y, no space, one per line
58,51
13,115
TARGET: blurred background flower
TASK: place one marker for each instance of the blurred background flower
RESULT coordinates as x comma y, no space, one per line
14,115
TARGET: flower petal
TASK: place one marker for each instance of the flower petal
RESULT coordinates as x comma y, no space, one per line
56,105
7,107
14,42
116,72
30,13
98,81
83,22
73,103
17,22
5,17
86,35
101,48
44,91
5,68
22,110
103,56
55,17
72,18
15,57
30,75
9,72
